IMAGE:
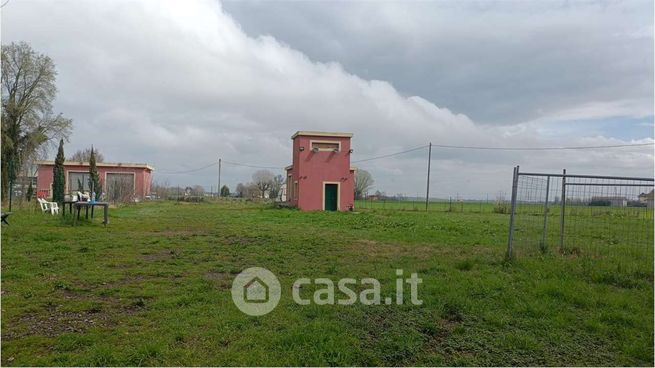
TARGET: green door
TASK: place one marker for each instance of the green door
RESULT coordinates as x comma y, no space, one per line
331,191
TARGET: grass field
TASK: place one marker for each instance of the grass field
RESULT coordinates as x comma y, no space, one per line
153,288
434,205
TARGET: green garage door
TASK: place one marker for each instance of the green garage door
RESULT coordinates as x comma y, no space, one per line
331,196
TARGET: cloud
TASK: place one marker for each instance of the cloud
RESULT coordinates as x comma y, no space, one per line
497,62
180,84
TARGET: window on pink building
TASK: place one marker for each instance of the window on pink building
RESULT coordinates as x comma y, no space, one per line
325,146
78,181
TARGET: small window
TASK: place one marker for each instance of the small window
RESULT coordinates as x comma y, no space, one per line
325,146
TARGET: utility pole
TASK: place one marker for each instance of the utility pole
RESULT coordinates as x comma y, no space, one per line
563,211
427,191
219,177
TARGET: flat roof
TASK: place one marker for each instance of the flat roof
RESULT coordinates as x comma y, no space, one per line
352,168
101,164
321,134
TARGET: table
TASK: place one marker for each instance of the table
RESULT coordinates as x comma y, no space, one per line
78,206
70,207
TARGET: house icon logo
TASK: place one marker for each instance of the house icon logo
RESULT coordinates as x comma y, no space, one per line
256,291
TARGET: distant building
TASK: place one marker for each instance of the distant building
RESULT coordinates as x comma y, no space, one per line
613,201
117,179
283,192
320,177
647,198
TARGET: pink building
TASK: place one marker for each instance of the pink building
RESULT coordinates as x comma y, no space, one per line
320,177
118,180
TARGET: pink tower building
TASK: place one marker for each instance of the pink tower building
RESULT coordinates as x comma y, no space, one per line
320,177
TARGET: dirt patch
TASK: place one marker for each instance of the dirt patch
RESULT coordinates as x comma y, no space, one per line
222,280
162,255
171,233
129,280
54,319
56,323
438,334
239,240
371,248
367,242
217,276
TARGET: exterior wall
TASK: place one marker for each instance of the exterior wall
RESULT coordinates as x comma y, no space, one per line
142,177
311,170
146,182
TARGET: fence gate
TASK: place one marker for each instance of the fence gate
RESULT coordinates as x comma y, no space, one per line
597,216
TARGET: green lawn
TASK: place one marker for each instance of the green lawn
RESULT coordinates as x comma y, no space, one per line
153,288
443,205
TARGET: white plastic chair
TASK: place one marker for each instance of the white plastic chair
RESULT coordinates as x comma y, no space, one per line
53,207
43,203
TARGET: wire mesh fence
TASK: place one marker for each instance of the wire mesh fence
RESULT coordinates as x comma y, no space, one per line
456,204
597,216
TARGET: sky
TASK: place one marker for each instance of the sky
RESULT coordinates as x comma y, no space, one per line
178,84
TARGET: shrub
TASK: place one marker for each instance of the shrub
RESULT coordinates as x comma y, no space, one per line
501,207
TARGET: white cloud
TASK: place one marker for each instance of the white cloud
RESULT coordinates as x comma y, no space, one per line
179,84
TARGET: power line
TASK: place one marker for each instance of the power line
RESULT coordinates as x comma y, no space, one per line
216,163
419,148
541,148
252,166
391,154
191,170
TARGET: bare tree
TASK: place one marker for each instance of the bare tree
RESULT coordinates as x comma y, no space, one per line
276,187
240,190
160,190
120,190
363,182
251,190
263,179
197,190
85,155
28,122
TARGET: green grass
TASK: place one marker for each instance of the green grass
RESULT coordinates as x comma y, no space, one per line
153,288
435,205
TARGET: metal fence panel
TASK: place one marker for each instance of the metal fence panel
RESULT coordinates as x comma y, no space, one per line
581,215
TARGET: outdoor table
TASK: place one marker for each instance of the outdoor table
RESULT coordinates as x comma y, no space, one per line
78,206
70,207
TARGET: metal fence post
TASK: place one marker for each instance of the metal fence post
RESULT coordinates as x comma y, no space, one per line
515,180
543,236
427,191
561,220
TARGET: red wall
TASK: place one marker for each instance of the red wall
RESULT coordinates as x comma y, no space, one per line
312,169
142,177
